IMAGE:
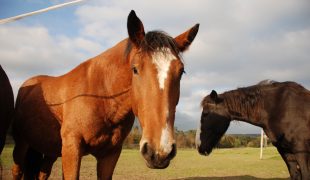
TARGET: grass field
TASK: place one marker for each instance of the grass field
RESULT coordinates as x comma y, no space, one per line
228,164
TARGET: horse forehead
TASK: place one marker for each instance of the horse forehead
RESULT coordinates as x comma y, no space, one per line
162,60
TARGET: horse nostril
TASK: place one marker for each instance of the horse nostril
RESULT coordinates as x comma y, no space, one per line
153,157
144,149
173,151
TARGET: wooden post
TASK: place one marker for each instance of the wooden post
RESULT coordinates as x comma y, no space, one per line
261,144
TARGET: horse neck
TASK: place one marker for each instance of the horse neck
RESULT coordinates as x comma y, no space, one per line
111,70
247,107
107,77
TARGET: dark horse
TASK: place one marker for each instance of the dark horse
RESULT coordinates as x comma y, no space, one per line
6,106
91,109
281,109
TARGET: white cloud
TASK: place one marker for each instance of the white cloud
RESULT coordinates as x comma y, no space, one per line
101,22
29,51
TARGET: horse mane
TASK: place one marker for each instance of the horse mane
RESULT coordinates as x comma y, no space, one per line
246,100
155,41
266,82
249,100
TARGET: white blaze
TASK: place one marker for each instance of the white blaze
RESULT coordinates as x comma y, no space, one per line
162,60
164,140
198,141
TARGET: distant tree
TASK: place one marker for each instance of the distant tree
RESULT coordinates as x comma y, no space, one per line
190,138
254,142
186,139
136,135
180,139
237,142
226,142
132,140
244,140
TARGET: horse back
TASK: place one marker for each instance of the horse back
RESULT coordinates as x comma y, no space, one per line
297,96
290,115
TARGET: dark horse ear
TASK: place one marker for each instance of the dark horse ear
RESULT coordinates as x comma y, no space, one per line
185,39
135,28
214,96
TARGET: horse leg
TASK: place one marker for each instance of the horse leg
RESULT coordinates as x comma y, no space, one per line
19,154
46,167
106,164
303,159
71,156
291,164
33,161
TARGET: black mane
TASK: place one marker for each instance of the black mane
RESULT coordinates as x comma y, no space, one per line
247,100
155,41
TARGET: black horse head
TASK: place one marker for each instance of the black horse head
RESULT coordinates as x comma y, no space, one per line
214,122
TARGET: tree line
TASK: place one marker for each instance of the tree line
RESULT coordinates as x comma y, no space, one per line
186,139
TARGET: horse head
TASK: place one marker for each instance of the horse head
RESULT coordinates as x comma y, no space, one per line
157,69
215,120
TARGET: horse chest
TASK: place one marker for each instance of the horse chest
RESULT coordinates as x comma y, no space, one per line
106,139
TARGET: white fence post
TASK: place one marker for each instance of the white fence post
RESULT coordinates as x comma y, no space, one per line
261,144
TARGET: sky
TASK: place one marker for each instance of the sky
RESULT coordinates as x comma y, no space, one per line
239,43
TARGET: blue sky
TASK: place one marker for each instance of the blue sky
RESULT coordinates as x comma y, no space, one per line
239,42
58,21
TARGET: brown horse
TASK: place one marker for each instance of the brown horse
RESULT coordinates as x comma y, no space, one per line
281,109
6,106
91,109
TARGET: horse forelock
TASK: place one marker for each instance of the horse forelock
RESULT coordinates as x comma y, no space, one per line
155,42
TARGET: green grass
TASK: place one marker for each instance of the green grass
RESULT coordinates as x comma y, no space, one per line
237,163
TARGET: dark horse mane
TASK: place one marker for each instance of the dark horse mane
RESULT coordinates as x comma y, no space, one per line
155,41
248,100
241,99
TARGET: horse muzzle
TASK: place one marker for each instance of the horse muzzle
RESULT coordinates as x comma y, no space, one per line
155,160
202,149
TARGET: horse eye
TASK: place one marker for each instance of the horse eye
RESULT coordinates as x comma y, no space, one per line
135,70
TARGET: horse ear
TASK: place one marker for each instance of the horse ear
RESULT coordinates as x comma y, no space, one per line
135,28
213,95
185,39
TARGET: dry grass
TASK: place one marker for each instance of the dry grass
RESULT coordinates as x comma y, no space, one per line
229,164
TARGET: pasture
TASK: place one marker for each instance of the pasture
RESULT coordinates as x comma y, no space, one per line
228,164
